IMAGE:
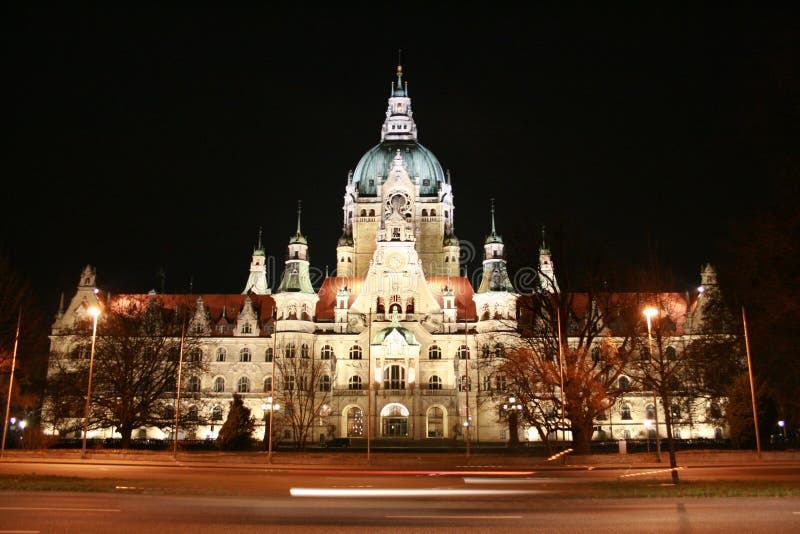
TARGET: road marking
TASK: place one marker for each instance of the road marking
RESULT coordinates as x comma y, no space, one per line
19,531
453,516
390,492
55,509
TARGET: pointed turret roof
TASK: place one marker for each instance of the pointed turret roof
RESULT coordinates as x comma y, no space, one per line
298,237
493,237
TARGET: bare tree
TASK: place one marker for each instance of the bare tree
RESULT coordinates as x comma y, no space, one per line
567,374
303,387
134,377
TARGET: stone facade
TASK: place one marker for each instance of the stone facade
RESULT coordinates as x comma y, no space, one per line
394,340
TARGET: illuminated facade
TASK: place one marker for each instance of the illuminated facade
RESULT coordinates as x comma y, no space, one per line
396,341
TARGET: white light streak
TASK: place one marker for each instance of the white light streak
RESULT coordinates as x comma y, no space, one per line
395,492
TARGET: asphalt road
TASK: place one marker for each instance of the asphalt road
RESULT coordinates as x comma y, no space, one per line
104,512
228,497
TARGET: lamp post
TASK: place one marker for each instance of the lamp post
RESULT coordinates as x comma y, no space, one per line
647,425
649,313
94,312
268,407
10,385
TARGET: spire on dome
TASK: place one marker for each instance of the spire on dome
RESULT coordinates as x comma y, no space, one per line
493,237
259,246
543,248
399,124
257,279
298,236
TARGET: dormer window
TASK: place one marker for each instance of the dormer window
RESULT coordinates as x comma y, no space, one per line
395,234
246,328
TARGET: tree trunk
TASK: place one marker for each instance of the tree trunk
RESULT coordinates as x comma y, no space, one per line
125,432
673,464
582,436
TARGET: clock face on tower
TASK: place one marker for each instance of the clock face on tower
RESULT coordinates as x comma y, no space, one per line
395,261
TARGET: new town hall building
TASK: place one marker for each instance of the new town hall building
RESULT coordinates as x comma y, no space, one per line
395,334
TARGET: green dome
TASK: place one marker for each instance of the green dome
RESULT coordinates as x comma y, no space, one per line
409,336
418,159
450,240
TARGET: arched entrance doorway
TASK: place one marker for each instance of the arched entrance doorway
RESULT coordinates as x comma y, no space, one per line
394,421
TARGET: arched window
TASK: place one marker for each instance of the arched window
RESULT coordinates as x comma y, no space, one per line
676,411
219,384
434,353
243,385
433,213
499,350
326,353
355,352
363,213
596,354
196,355
246,328
650,412
191,414
304,351
291,350
325,383
221,354
288,383
268,355
354,383
624,383
424,212
435,422
216,413
372,213
394,377
244,355
485,352
194,384
434,382
462,353
670,353
625,411
268,384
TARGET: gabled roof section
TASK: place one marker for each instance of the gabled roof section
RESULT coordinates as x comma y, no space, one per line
223,309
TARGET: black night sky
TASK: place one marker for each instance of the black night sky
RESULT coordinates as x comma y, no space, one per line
147,139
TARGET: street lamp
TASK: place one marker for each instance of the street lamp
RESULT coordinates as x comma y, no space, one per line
782,424
268,407
94,312
649,313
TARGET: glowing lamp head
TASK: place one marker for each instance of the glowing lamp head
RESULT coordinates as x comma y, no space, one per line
650,312
94,311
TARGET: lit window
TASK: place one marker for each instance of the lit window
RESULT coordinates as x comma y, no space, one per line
243,385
